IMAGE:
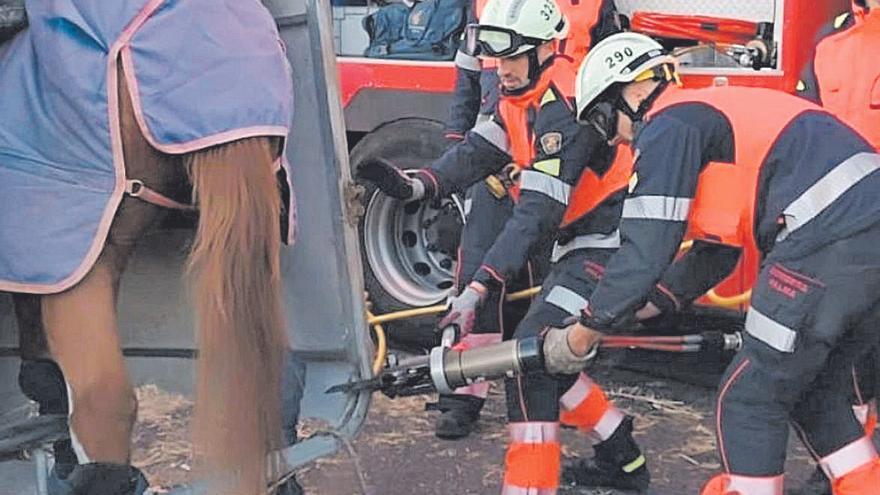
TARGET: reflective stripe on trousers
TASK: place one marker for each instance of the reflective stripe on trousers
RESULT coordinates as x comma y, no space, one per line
586,407
566,299
849,458
770,332
532,462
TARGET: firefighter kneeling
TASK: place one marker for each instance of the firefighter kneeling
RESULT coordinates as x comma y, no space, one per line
813,212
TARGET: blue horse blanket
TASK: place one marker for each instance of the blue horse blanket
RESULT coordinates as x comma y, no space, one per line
201,73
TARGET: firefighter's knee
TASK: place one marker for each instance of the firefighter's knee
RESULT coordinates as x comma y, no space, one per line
532,397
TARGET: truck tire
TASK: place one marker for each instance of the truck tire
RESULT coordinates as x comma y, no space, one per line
408,250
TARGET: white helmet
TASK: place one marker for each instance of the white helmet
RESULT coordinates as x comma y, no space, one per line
619,59
510,27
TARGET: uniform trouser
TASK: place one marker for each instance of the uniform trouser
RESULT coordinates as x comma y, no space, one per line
486,217
537,402
812,318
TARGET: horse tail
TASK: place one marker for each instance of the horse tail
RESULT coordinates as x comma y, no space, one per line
236,280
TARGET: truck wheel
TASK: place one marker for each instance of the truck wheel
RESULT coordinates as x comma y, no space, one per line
408,249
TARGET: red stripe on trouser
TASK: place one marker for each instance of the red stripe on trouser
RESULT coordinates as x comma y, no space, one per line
472,341
583,405
532,462
732,484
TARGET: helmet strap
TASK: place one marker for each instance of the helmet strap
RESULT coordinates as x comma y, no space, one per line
535,70
638,114
534,66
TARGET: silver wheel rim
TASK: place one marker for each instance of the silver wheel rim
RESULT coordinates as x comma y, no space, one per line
396,245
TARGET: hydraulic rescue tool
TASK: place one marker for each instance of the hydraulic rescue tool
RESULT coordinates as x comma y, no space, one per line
445,368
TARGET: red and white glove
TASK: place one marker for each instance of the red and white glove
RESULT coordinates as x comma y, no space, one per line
463,308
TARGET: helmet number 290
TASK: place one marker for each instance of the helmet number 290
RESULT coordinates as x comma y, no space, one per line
618,57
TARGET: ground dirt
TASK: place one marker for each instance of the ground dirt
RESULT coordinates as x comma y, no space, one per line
399,454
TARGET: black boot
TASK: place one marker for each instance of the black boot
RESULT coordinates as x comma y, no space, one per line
618,463
459,414
102,479
290,487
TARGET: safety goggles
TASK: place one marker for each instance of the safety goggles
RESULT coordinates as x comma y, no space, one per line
496,42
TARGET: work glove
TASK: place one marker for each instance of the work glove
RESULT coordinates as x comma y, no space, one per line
559,359
391,180
462,311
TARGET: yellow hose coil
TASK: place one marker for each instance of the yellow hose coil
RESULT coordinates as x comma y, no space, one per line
729,302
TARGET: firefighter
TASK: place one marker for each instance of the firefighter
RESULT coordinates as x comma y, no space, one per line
849,91
855,99
534,125
811,209
488,206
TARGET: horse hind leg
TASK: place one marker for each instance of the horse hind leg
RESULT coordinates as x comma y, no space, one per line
81,323
237,291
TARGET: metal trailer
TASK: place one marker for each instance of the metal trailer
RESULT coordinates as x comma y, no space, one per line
322,271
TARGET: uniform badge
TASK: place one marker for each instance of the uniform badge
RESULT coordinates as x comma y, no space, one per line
633,182
551,143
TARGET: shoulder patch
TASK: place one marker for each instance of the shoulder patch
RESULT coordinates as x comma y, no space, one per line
840,20
549,96
551,142
549,167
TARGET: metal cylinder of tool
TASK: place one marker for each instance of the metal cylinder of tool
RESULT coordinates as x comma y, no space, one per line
451,369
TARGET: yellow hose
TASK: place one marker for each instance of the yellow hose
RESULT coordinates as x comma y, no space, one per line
732,302
407,313
439,308
376,322
729,302
524,294
381,346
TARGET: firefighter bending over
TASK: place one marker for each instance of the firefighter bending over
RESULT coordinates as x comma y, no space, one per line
812,211
569,178
488,205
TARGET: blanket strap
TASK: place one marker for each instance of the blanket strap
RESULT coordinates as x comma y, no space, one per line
136,189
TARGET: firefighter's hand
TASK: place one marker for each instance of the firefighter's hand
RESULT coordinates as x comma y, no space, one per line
390,179
463,309
568,350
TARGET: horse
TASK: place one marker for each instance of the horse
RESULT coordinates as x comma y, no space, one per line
108,150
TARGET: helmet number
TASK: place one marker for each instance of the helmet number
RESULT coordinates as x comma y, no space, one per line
546,12
618,57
